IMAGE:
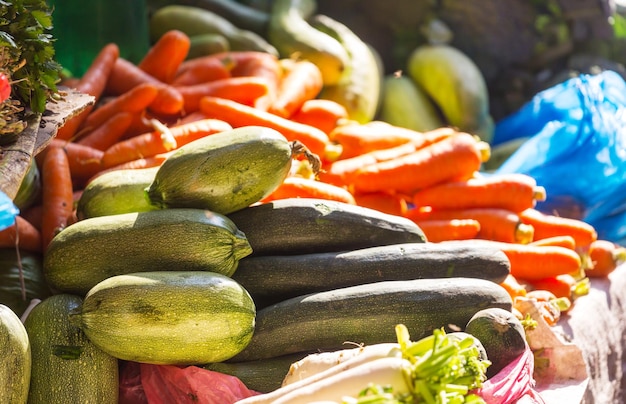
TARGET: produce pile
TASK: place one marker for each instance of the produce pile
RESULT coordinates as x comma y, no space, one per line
269,212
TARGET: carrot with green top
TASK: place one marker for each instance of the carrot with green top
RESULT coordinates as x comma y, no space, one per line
514,192
239,115
455,157
549,225
152,143
165,56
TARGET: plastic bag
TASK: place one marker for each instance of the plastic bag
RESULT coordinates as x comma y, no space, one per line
168,384
576,149
8,211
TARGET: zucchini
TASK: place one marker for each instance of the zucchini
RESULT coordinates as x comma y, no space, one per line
115,192
66,366
16,358
308,225
169,317
367,314
502,335
223,172
270,279
91,250
262,375
21,279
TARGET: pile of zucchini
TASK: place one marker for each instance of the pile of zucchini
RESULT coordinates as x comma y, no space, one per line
206,276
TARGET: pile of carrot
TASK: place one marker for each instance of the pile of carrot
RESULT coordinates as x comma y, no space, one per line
143,112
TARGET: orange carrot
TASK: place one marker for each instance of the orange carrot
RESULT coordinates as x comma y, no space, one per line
559,285
109,132
151,143
207,69
342,171
84,161
548,225
165,56
22,235
452,158
605,257
531,262
513,287
301,81
93,82
514,192
385,202
135,100
449,229
147,162
126,75
566,241
323,114
245,90
238,115
56,193
495,223
299,187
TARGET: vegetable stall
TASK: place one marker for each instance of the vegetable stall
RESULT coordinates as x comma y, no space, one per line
312,201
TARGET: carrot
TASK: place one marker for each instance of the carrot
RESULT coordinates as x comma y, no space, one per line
562,285
245,90
126,75
605,256
56,193
33,215
93,82
548,225
549,306
566,241
452,158
84,161
449,229
514,192
302,81
135,100
109,132
342,171
165,56
151,143
238,115
147,162
495,223
323,114
385,202
299,187
513,287
22,235
356,138
532,262
208,69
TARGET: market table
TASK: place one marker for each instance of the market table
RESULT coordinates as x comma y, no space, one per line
597,325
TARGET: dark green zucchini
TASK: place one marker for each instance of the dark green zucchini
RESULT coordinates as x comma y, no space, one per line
309,225
21,272
273,278
367,314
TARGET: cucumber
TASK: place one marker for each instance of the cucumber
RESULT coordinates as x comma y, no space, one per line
115,192
183,317
502,335
367,314
223,172
263,375
91,250
270,279
293,36
198,21
16,358
308,225
66,366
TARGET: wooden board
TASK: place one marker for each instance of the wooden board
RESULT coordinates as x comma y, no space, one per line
41,129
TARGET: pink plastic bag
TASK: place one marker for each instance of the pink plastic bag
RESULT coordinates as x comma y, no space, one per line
167,384
513,384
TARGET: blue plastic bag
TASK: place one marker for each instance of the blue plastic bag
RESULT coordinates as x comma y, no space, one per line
576,149
8,211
